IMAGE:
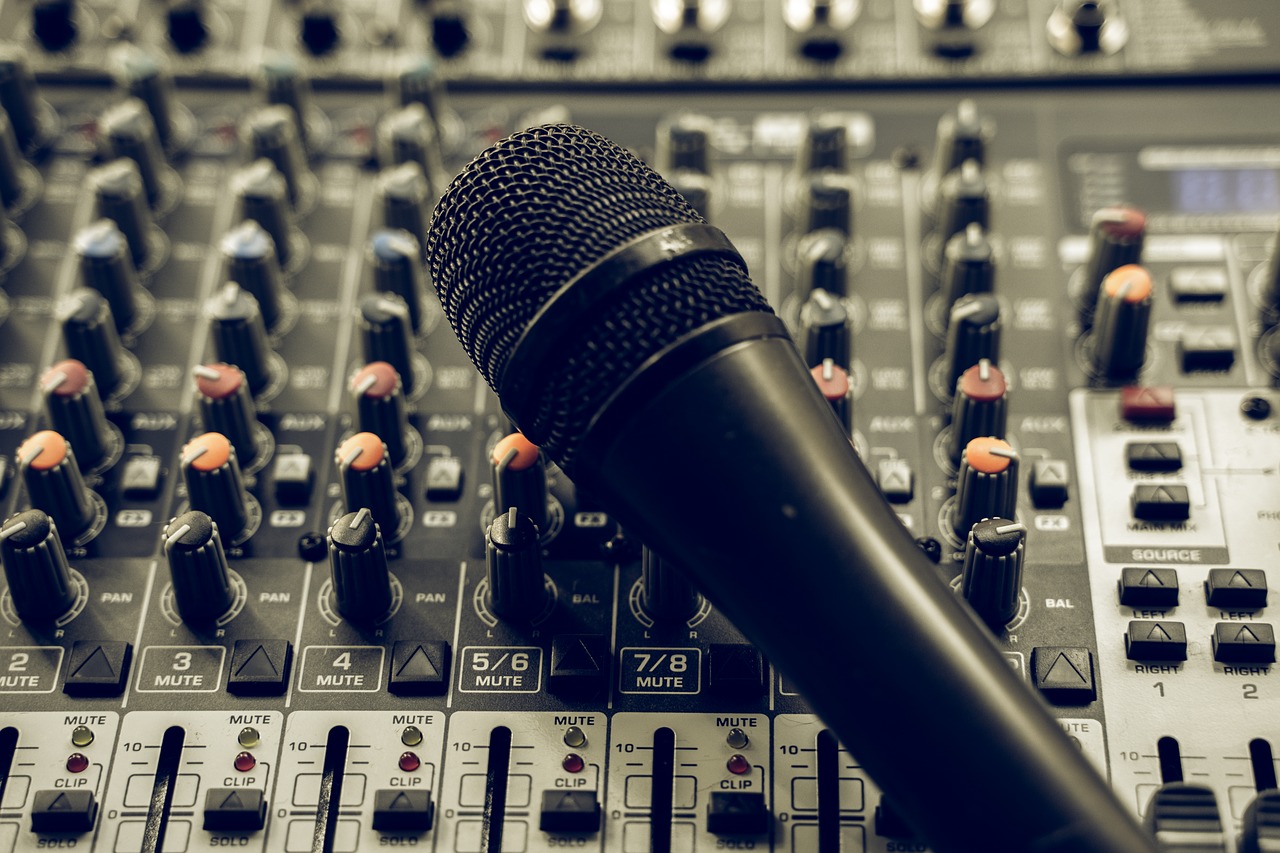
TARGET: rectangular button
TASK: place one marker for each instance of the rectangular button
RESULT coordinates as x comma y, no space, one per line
1147,404
444,478
1207,348
1148,587
1153,455
1244,642
1198,284
1243,588
140,479
1169,502
1156,641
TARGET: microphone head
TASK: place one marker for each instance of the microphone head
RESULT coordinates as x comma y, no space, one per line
524,219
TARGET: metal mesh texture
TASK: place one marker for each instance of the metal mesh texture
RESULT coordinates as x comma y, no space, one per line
533,212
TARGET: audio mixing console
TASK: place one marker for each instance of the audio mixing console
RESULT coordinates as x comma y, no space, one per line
257,594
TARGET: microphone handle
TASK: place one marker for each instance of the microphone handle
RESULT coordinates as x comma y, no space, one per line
783,520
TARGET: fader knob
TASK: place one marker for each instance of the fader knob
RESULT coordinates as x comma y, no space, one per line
824,325
827,202
520,478
408,135
142,76
75,409
513,557
963,200
186,22
239,335
318,28
1120,323
385,335
54,483
837,390
368,481
973,333
358,563
284,83
823,259
264,197
1116,237
226,407
119,197
980,408
198,570
90,335
380,407
1086,26
20,100
215,484
962,135
35,565
127,130
53,23
684,143
992,576
105,266
668,596
987,486
968,264
250,256
271,133
1260,826
405,194
397,269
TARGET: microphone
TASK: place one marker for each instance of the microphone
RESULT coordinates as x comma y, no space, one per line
623,335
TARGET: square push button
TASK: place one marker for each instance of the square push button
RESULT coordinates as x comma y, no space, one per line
234,810
579,664
896,480
569,811
293,475
1064,674
1198,284
1244,642
140,478
1208,348
1144,587
444,478
1048,483
97,669
1156,641
260,667
63,810
1242,588
736,669
419,669
1147,404
737,813
1153,455
1161,503
403,810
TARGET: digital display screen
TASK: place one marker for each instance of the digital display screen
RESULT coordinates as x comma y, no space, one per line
1225,190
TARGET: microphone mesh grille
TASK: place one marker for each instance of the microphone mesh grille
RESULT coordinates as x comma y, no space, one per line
536,210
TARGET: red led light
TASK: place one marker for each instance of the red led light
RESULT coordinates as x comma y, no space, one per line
77,762
409,761
574,763
245,762
738,765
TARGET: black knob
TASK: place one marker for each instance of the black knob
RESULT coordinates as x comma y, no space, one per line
127,130
187,25
386,335
1120,322
89,332
696,189
992,577
318,28
358,562
380,407
963,200
54,483
520,479
120,199
15,180
980,407
226,407
215,485
250,256
105,266
825,145
1078,27
264,198
405,196
240,336
368,481
417,80
284,83
987,486
449,32
827,202
35,565
513,557
1116,236
668,596
271,133
75,409
823,259
197,568
837,390
973,333
1260,827
684,143
396,259
969,264
949,25
824,325
962,135
142,76
53,23
31,117
408,135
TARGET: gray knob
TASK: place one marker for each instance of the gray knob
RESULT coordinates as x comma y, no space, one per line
21,100
827,202
119,197
284,83
358,563
684,143
962,135
264,197
969,264
823,263
239,335
973,333
13,169
668,594
250,256
824,325
405,196
396,258
964,200
408,135
197,568
271,133
106,266
35,565
127,130
514,561
142,76
386,335
90,335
